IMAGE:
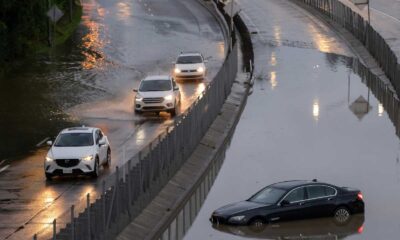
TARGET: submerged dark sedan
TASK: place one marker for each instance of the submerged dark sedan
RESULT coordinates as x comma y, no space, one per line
292,200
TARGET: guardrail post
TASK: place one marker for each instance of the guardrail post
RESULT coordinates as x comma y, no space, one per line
89,222
104,205
54,229
72,223
117,190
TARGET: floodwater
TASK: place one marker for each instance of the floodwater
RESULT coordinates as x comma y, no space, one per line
310,115
89,80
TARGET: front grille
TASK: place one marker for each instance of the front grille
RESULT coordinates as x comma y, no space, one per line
67,163
217,220
192,70
154,108
153,100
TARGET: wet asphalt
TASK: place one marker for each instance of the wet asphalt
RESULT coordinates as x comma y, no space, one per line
89,81
309,116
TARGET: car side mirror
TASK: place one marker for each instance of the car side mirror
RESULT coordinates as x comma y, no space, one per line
49,143
285,203
205,61
135,90
176,88
173,62
102,142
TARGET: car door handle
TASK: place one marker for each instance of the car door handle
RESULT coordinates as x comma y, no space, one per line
301,203
329,199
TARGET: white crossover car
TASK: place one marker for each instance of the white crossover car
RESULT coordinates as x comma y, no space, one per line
77,150
156,94
190,66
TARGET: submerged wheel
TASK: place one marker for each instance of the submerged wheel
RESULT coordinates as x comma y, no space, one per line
49,176
342,215
257,224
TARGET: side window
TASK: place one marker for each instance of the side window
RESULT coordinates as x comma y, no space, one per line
97,136
330,191
296,195
319,191
100,135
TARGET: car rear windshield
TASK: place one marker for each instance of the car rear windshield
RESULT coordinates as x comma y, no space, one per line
74,140
155,85
189,59
268,195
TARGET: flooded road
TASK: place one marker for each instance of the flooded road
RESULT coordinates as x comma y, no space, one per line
310,116
89,80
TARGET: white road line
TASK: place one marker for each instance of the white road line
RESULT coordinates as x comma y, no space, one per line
41,142
4,168
387,15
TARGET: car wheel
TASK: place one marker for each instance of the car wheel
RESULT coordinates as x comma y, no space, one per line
174,111
108,158
257,224
95,172
342,215
49,176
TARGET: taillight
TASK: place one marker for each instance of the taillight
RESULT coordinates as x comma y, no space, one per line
360,196
360,229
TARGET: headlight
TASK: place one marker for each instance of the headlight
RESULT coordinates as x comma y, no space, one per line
177,70
49,159
138,97
87,158
169,97
236,219
200,69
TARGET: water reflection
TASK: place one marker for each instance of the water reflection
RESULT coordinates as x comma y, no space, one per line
316,109
323,228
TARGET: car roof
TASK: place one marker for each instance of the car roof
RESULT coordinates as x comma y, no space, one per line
296,183
189,54
78,130
157,77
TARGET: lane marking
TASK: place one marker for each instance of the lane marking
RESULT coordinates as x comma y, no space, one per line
43,141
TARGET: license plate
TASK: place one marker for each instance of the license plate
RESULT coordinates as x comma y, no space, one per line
67,171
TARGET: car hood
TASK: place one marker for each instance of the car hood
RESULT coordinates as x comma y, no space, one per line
238,207
70,152
189,66
155,94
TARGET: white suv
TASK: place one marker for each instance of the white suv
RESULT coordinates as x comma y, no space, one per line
190,66
77,150
156,94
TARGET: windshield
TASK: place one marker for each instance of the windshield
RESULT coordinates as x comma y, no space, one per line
268,195
155,85
74,140
189,59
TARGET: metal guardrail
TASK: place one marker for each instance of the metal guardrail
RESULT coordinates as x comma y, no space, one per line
132,187
365,33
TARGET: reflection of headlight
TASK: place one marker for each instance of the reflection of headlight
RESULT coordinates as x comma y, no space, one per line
169,97
138,97
49,159
87,158
236,219
177,70
200,69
